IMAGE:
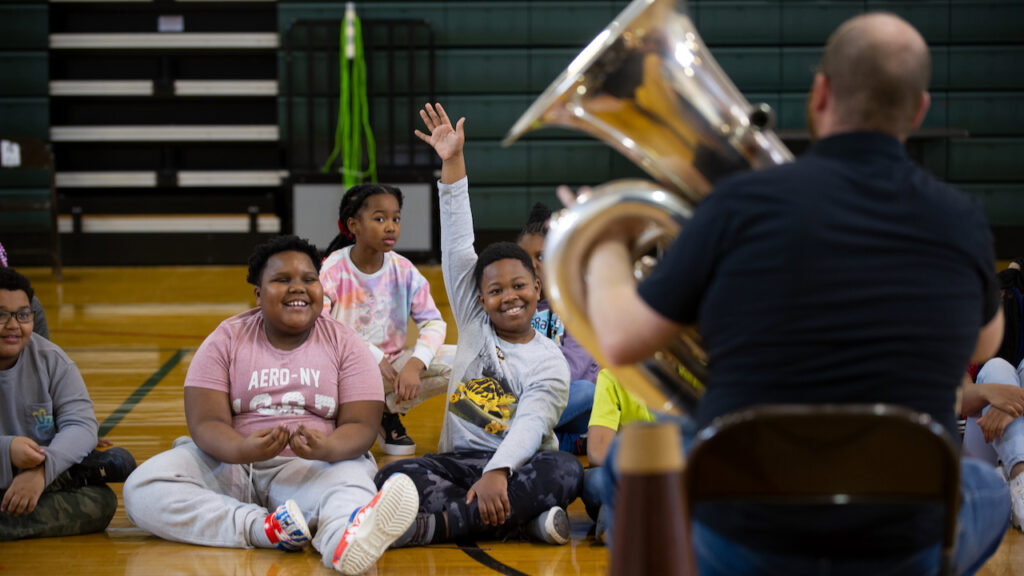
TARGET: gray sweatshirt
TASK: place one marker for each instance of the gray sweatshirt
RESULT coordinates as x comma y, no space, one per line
43,397
502,397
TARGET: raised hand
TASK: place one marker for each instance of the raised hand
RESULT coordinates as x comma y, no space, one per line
567,197
265,444
25,453
445,139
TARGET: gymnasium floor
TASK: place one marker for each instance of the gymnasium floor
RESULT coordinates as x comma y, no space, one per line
132,332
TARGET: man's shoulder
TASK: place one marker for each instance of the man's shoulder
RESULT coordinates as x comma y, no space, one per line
774,180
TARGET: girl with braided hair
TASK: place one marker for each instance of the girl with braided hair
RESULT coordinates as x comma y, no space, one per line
375,291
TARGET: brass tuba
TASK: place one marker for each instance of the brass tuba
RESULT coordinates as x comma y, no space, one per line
647,86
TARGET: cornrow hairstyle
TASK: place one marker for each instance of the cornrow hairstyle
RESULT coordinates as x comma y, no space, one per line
11,280
262,253
351,204
501,251
537,221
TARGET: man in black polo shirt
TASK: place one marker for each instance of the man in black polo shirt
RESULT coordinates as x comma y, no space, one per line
850,276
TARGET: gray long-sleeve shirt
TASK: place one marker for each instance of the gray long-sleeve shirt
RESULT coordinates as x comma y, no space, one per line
503,397
43,397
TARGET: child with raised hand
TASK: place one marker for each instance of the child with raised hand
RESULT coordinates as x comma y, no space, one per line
498,472
52,482
283,404
571,428
374,290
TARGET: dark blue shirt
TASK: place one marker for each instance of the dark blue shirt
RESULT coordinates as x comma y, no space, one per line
849,276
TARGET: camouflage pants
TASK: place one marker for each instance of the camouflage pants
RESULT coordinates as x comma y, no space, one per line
63,510
549,478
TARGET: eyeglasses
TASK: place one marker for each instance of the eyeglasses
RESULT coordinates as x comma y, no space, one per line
23,316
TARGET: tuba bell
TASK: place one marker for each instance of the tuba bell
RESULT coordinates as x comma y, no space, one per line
648,87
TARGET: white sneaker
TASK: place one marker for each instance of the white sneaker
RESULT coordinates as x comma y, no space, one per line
551,526
377,525
286,527
1017,501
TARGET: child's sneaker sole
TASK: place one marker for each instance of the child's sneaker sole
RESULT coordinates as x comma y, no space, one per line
551,526
377,525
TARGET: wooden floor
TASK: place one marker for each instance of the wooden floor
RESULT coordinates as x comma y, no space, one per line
132,332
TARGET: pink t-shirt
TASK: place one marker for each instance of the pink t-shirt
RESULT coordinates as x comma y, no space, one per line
267,386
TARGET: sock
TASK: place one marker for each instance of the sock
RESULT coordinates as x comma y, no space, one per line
258,536
440,529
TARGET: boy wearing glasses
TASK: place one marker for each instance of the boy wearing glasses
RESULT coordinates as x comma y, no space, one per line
52,482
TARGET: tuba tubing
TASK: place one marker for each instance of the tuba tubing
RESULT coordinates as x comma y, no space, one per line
648,87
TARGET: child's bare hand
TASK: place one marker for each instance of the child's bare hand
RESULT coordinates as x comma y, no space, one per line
446,140
265,444
24,492
1009,399
309,444
25,453
491,491
388,374
567,197
407,385
993,423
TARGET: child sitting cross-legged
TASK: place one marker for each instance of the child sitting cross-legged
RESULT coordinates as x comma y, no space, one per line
283,404
52,481
498,472
375,291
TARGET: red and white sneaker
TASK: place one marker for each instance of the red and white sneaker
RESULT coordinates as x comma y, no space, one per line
377,525
286,527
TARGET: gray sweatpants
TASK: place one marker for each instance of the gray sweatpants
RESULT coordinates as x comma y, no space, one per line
185,495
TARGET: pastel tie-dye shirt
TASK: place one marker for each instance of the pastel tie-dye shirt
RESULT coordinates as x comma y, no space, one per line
378,306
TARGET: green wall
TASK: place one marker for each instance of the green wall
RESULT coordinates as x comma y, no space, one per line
495,58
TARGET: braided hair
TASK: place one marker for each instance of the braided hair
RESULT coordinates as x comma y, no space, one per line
351,204
536,222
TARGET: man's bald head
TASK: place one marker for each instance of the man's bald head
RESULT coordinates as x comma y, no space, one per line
878,67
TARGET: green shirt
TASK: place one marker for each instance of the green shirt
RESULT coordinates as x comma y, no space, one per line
615,407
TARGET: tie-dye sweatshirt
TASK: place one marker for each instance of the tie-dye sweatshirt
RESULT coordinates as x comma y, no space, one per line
378,305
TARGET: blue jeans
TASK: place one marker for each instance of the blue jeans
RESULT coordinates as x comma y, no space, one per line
1008,448
576,416
983,520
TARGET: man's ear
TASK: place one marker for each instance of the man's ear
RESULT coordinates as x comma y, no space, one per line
480,298
821,92
256,293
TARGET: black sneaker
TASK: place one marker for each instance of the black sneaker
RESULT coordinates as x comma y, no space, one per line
393,439
103,467
580,449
